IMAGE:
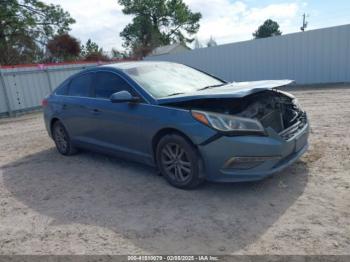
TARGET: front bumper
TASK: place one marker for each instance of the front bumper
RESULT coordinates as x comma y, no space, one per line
273,153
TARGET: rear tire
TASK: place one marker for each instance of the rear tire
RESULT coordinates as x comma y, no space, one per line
62,140
179,162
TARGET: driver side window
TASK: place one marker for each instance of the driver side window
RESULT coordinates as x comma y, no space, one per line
107,84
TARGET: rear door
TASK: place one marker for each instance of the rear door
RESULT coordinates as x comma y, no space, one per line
76,115
117,125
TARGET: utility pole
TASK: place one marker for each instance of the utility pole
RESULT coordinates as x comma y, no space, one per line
305,23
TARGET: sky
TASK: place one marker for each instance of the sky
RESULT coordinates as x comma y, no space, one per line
226,21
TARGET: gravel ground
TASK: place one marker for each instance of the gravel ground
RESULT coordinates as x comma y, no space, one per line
94,204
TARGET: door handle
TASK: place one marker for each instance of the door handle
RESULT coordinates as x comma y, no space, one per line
95,111
64,106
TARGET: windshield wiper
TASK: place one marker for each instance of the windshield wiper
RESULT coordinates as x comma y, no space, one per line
207,87
174,94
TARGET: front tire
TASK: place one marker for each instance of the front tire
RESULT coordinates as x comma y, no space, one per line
62,140
179,162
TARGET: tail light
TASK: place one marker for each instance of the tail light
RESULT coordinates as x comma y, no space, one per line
44,102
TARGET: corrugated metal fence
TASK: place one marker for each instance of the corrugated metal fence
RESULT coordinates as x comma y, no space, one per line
23,88
318,56
312,57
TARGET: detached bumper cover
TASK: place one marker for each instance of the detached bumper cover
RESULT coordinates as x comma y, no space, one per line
276,152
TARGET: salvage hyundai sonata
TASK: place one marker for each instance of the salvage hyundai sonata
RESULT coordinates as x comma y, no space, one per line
191,125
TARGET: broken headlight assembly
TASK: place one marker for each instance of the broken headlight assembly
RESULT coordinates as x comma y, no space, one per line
228,123
296,103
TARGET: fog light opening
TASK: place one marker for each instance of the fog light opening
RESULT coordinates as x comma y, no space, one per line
247,162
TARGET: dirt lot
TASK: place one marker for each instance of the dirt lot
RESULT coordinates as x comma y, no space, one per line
94,204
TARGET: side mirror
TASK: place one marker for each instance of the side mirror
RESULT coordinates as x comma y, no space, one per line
123,96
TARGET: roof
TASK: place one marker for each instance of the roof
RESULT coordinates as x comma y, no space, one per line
162,50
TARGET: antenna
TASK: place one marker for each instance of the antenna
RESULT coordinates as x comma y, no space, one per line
305,23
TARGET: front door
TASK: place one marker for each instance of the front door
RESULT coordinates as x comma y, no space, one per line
117,125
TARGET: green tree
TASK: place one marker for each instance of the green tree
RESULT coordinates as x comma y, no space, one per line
211,42
116,54
26,26
92,52
89,48
267,29
156,23
64,48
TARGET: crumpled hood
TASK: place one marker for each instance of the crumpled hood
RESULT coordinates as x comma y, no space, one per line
230,90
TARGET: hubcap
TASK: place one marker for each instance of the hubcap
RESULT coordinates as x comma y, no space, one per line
61,139
175,162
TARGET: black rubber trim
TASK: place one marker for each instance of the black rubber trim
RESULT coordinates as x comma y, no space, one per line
231,134
211,139
244,133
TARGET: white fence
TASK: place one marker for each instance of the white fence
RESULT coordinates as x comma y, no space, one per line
312,57
23,88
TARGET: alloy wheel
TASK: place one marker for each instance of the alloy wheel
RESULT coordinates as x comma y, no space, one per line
176,162
61,138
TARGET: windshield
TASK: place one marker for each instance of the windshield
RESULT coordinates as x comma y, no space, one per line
166,79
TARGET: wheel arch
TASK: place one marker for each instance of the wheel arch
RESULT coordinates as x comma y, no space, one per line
166,131
52,122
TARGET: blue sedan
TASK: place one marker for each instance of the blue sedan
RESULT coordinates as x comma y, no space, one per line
189,124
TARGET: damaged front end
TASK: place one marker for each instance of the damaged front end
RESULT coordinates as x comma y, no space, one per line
251,114
257,135
277,110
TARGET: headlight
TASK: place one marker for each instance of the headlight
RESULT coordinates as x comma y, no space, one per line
227,123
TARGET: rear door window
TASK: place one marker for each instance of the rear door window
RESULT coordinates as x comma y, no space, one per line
106,84
62,89
80,86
